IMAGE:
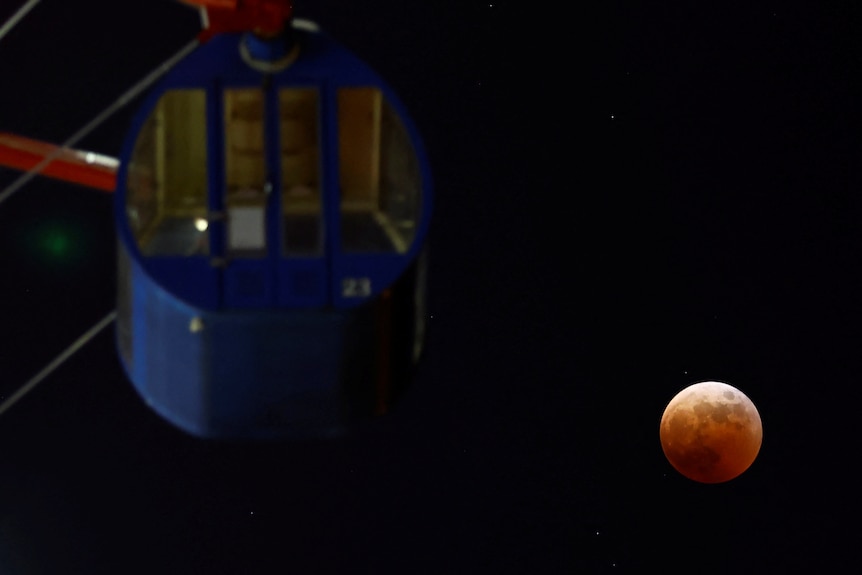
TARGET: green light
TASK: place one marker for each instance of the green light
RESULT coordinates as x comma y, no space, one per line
57,243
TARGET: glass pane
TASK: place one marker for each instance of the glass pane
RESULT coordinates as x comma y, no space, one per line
166,201
379,177
245,172
300,171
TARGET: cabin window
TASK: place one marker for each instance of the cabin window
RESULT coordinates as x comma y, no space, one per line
166,202
380,182
299,135
247,182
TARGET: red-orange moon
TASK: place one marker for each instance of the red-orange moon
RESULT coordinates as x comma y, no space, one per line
711,432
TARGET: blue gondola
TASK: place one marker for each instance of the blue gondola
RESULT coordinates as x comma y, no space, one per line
272,209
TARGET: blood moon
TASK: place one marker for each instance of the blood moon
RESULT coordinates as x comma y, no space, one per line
711,432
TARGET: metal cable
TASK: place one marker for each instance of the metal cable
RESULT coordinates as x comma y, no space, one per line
128,96
67,353
16,17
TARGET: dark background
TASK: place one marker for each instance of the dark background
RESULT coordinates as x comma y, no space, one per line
628,201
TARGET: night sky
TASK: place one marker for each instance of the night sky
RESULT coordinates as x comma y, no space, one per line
628,201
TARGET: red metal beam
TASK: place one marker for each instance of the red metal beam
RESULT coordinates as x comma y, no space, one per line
266,18
84,168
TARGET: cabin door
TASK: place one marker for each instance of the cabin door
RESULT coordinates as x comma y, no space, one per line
273,241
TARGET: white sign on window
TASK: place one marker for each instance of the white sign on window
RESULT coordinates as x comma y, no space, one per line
246,228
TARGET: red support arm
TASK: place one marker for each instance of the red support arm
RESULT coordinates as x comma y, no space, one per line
85,168
264,17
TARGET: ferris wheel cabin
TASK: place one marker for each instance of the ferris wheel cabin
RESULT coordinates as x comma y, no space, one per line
272,207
